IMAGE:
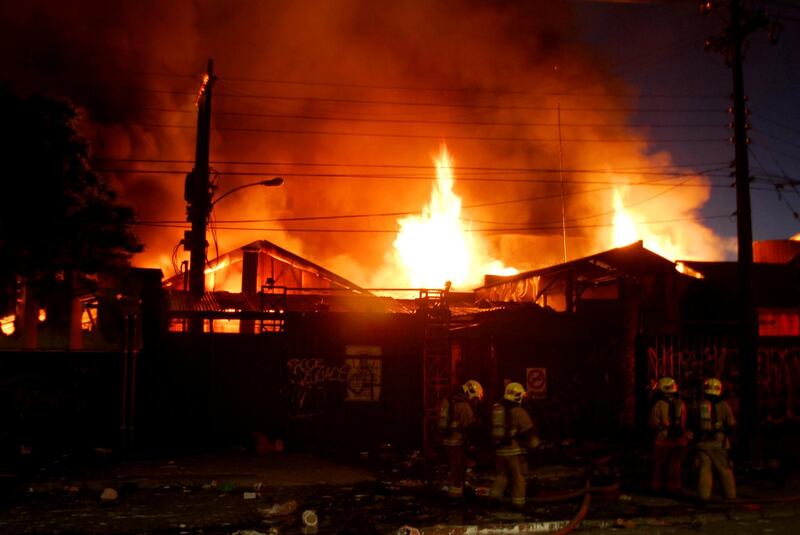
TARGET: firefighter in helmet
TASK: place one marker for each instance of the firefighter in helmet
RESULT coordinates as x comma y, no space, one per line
513,433
456,420
670,438
714,424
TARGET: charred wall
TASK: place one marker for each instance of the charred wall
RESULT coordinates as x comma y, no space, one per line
54,402
331,381
578,354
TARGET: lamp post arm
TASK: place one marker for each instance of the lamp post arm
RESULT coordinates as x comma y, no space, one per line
277,181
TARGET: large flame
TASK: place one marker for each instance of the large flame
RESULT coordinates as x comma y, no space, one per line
435,246
680,240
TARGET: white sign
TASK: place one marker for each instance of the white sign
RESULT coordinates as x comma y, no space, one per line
536,382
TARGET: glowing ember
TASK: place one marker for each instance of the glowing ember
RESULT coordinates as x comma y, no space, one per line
435,247
680,267
7,324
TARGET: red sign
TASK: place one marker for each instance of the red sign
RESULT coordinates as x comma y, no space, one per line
537,382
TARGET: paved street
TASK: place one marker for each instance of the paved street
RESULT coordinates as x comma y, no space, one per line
251,494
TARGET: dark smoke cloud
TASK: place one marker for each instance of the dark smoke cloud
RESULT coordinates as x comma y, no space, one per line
123,60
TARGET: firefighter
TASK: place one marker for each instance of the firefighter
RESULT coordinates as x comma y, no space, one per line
456,420
668,423
513,434
715,424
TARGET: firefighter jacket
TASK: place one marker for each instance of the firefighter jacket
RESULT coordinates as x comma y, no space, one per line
715,426
456,416
668,419
512,429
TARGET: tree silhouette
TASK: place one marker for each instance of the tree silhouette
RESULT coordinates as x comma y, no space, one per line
58,218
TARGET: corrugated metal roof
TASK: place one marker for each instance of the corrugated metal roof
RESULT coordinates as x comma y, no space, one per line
214,302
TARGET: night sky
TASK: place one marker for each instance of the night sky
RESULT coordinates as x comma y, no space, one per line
348,100
657,47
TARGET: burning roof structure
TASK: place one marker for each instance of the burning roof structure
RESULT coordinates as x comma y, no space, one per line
263,281
561,286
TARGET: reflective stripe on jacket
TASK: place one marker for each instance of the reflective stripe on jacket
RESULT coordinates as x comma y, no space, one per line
507,434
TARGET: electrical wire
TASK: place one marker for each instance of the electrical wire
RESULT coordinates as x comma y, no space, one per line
469,91
509,230
252,130
609,212
455,105
433,121
417,211
779,189
496,179
640,169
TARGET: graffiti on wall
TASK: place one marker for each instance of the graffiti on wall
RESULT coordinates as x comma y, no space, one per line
312,380
778,380
690,361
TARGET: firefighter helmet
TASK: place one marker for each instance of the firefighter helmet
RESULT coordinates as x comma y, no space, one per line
667,385
514,392
473,390
712,386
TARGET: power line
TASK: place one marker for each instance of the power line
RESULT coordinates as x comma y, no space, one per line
425,178
470,91
251,130
410,212
528,228
439,122
777,138
642,169
442,89
466,106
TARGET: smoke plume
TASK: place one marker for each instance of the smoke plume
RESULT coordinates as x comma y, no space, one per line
348,100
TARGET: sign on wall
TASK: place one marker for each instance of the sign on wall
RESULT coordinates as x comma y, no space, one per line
536,382
364,373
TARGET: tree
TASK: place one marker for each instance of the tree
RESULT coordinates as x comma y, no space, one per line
58,218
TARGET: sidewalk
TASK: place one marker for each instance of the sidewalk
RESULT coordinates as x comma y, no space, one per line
237,469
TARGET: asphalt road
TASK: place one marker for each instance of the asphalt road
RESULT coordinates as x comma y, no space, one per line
252,495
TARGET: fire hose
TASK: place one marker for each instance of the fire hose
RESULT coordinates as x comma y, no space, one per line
585,491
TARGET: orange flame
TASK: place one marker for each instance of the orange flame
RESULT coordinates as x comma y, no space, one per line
435,246
7,324
682,238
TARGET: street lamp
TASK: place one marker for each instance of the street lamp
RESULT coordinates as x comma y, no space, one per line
197,237
270,182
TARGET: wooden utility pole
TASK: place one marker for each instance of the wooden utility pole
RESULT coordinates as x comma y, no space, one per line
198,189
731,43
748,334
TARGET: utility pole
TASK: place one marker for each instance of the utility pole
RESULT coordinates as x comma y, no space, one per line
197,191
731,44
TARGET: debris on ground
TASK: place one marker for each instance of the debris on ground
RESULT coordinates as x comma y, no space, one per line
227,487
310,521
109,494
310,518
279,509
624,523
